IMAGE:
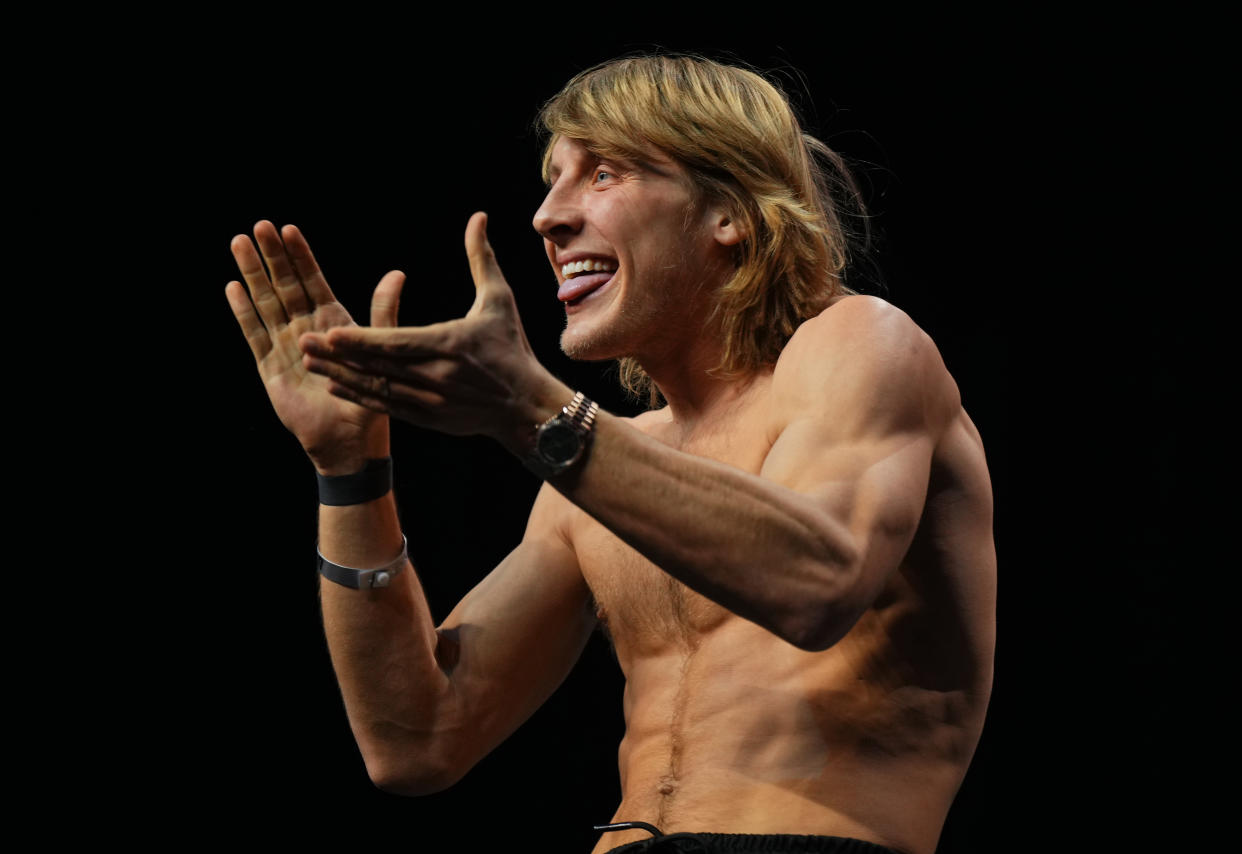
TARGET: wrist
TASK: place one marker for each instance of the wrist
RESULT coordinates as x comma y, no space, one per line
543,402
343,458
562,441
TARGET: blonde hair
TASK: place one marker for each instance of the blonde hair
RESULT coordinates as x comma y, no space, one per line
738,137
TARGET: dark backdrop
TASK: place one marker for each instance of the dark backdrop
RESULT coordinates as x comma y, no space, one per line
379,144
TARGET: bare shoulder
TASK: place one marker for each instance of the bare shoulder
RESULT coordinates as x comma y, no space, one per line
862,329
651,421
866,357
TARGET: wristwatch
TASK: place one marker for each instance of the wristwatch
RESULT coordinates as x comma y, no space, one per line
561,440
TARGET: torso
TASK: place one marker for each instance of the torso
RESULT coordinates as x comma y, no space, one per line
730,729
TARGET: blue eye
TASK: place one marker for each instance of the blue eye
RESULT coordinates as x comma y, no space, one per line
602,174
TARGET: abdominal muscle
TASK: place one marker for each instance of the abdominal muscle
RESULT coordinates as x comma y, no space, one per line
731,730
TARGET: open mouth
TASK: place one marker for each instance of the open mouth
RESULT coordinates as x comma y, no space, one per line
583,278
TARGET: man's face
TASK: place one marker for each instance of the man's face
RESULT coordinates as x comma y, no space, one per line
654,257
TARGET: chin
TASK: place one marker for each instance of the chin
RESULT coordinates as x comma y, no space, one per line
584,350
583,343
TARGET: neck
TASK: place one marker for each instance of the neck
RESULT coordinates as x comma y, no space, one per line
680,364
693,394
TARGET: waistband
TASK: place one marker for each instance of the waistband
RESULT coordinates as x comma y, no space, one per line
750,843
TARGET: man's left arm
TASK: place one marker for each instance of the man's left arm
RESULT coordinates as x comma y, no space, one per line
804,547
801,549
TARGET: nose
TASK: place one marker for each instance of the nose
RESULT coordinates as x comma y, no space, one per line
559,217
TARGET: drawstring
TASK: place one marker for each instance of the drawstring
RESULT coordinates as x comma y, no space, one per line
677,843
630,825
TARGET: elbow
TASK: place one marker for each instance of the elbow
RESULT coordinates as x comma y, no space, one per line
816,635
409,774
825,616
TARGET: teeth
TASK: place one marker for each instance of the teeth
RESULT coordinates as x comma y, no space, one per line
588,266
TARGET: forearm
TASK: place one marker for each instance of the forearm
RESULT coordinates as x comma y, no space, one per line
383,645
761,550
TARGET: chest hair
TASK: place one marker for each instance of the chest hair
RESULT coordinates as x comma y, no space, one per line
640,606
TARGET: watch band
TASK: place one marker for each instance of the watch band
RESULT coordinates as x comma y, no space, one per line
363,579
581,412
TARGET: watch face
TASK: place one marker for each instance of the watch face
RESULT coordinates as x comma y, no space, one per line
559,444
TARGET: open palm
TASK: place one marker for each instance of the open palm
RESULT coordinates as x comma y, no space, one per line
286,300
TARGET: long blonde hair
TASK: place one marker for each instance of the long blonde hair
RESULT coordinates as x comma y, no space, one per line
738,137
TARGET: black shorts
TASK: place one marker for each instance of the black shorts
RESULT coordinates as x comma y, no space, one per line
750,843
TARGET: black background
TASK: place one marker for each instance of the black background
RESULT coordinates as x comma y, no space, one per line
379,143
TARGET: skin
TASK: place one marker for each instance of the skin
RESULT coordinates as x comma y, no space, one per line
796,567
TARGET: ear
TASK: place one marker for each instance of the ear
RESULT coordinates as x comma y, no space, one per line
727,229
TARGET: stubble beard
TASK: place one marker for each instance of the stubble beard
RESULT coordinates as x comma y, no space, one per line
595,344
654,327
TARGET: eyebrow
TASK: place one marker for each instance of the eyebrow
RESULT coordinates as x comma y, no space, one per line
629,162
651,167
553,172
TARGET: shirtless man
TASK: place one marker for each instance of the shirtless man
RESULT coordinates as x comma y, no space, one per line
793,556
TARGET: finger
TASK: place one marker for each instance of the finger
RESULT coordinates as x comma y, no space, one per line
284,278
368,374
265,300
372,384
319,358
256,335
381,387
409,342
407,410
370,402
386,299
489,281
307,268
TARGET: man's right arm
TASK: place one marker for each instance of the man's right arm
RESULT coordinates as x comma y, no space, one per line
427,703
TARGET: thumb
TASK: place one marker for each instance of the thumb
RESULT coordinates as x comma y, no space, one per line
386,299
489,281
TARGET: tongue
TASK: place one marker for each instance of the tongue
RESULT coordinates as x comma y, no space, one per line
581,285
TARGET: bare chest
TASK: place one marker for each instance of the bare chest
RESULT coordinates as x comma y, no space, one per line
644,610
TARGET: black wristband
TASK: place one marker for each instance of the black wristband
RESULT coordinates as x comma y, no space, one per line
340,490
